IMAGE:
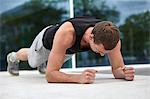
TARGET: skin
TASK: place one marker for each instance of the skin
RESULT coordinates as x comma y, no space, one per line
64,39
66,33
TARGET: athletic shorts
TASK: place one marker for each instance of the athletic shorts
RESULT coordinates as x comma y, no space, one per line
38,54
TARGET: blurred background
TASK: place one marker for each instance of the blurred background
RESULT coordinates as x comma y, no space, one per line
22,20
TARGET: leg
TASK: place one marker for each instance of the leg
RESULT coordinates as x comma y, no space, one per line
14,58
38,58
37,54
22,54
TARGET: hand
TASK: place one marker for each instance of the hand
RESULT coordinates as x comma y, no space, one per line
129,73
88,76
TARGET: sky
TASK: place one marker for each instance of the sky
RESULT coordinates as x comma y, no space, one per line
6,5
9,4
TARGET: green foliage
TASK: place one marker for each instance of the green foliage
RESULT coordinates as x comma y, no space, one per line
20,25
97,9
136,32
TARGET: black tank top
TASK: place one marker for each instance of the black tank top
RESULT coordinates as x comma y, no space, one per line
80,24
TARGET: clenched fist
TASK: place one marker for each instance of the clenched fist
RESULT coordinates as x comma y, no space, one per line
129,73
88,76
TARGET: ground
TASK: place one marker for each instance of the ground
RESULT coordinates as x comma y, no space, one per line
32,85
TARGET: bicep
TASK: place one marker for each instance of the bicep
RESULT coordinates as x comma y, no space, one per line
62,41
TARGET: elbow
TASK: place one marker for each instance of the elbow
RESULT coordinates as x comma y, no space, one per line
48,77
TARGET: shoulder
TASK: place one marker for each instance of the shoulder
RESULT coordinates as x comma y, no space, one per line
65,34
67,26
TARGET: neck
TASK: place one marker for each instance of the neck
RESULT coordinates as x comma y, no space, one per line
85,42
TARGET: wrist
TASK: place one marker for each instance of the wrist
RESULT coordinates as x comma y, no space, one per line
119,73
75,78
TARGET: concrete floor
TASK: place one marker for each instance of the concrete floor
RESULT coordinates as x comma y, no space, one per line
32,85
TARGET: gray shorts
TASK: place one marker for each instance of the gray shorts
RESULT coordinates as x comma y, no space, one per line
38,54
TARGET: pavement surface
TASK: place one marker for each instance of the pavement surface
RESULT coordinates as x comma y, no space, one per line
32,85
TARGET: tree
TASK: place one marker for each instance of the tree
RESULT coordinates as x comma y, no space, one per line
97,9
20,25
136,32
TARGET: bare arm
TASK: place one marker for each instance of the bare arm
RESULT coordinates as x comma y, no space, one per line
118,68
116,61
62,41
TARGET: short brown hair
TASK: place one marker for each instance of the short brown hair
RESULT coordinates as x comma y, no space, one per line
106,33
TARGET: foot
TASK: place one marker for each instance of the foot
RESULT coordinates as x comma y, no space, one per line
42,68
13,66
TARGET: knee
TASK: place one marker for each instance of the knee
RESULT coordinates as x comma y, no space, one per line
33,63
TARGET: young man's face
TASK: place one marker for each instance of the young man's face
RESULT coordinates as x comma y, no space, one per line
98,48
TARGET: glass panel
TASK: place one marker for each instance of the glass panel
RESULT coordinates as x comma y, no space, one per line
22,20
134,26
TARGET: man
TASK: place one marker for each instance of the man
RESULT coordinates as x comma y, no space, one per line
56,44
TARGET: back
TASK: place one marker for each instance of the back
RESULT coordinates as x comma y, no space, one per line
80,24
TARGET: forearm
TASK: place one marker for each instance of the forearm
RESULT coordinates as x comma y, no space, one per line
60,77
118,73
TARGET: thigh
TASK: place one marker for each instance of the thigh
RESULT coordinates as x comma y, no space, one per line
37,52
